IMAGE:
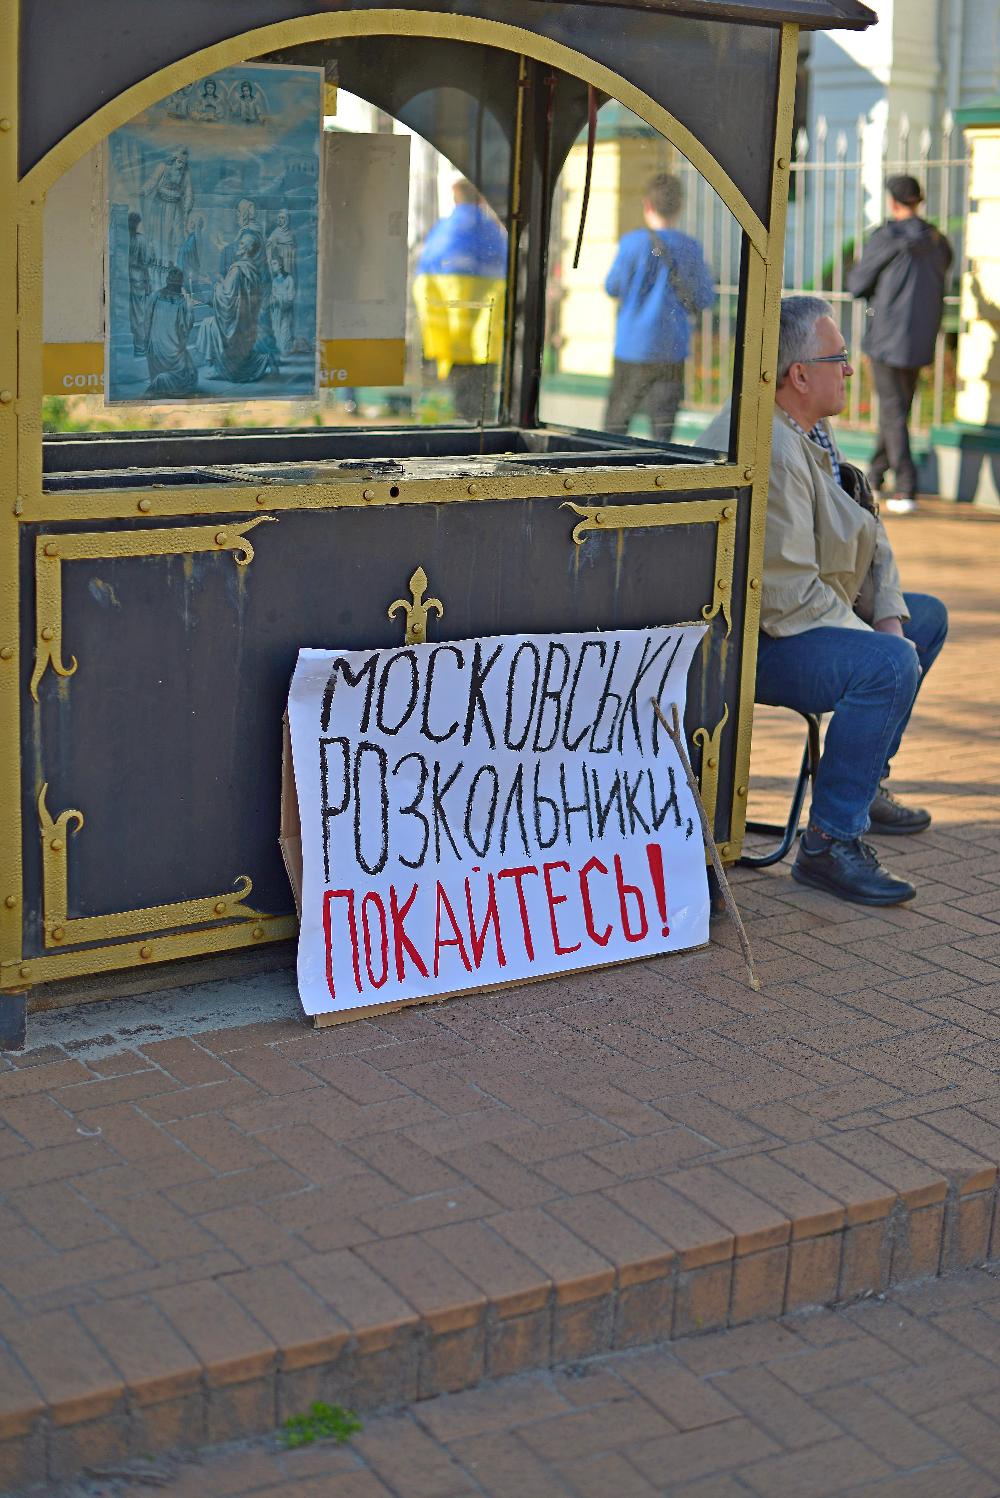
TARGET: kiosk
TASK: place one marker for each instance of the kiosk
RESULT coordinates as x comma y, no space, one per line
155,584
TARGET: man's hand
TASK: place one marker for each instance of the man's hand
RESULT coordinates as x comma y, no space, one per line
894,626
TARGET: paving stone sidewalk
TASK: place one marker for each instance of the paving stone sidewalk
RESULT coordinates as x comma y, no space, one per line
895,1398
196,1231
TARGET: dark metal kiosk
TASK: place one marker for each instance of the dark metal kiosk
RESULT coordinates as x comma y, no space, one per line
155,584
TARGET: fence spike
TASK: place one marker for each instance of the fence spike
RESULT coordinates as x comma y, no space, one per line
925,143
821,127
801,142
841,145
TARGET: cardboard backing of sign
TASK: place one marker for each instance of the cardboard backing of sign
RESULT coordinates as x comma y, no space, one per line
290,835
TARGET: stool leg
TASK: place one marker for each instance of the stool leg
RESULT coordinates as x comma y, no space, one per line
790,831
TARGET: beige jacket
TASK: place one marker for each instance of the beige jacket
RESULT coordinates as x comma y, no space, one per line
827,561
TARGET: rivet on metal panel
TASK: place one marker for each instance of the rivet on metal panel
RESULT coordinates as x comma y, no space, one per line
145,506
56,845
660,480
10,901
7,653
368,494
741,790
567,483
220,907
748,473
472,489
725,851
5,124
755,582
258,932
51,549
145,952
24,972
765,375
728,513
712,763
58,933
722,585
221,537
782,162
6,396
48,633
261,499
598,518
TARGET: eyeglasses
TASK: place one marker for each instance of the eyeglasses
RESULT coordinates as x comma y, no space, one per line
842,358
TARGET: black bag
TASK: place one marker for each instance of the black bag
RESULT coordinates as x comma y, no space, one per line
855,483
683,290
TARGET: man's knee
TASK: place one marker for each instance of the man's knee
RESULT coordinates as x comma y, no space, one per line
892,664
936,616
928,622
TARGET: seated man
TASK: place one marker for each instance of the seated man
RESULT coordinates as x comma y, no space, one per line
837,633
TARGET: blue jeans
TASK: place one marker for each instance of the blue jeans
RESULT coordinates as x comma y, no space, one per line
869,682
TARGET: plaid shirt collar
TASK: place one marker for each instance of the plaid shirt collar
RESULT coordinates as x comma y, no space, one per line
822,438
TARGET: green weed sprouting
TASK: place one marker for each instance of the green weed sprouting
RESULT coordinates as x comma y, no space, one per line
322,1422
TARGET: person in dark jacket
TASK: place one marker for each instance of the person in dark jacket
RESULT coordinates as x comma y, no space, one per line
902,273
660,280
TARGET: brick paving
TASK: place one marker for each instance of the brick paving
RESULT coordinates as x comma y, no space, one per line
201,1233
897,1396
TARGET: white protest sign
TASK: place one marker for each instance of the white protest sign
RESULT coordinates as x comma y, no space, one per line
484,811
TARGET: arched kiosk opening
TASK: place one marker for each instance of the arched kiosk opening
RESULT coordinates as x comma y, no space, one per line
251,385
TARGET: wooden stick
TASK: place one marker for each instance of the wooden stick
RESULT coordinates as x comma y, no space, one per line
677,739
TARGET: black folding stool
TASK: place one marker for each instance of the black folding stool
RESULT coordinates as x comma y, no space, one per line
788,831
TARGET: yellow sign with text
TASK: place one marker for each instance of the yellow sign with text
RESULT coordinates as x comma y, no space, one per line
78,368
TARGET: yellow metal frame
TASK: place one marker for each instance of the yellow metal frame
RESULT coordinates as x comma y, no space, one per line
62,929
23,500
720,513
52,551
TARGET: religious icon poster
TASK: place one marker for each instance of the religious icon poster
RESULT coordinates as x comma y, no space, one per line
212,263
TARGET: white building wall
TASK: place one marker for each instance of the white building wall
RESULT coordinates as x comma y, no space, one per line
979,69
922,58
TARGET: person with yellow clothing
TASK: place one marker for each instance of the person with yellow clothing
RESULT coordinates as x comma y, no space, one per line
459,290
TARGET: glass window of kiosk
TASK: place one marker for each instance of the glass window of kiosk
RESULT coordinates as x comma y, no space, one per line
222,261
236,283
642,309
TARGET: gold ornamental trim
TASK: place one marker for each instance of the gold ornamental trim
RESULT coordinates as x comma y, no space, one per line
388,22
59,927
82,961
417,609
52,551
62,930
720,513
709,778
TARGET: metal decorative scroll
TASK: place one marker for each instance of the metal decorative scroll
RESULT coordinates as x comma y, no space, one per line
50,552
719,512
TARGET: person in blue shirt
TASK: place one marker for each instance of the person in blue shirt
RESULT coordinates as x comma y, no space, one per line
660,280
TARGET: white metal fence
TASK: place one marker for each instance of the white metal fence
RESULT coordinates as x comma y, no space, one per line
836,197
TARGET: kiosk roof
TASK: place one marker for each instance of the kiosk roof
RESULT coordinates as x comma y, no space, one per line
811,15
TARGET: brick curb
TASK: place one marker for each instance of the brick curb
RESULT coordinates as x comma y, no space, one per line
748,1263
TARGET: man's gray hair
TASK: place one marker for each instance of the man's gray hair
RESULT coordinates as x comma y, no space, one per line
797,339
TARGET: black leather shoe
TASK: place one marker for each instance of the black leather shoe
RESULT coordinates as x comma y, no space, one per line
889,815
851,871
